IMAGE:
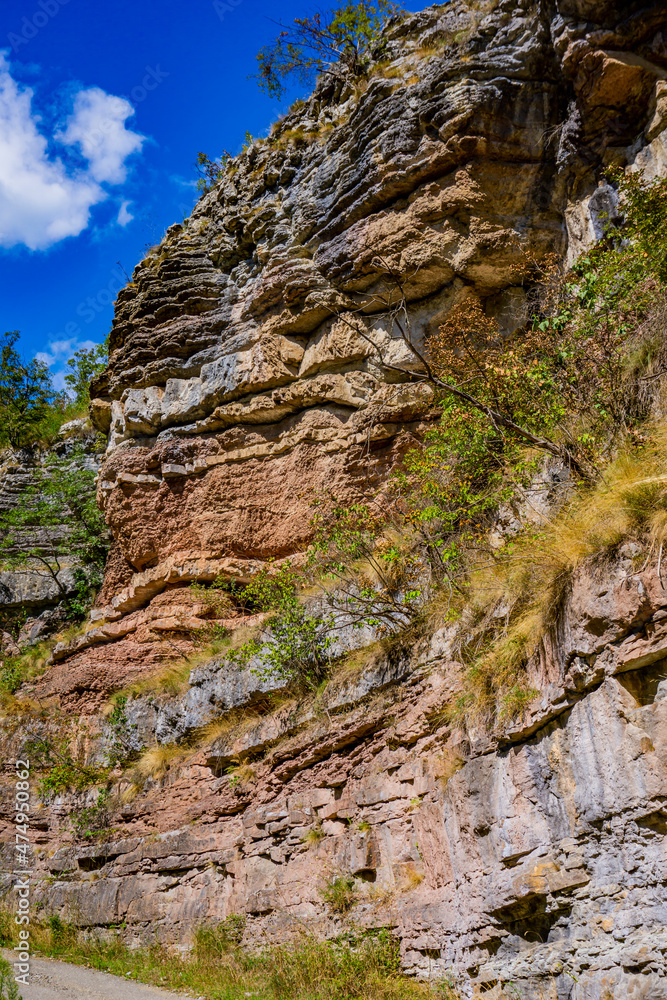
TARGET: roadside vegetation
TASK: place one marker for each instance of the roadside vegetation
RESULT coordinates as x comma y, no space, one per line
218,968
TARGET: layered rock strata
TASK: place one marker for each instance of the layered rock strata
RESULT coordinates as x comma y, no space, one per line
241,386
534,857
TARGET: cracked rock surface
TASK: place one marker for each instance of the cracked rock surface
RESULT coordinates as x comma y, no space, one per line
533,858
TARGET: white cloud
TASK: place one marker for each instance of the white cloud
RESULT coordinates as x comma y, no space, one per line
124,216
42,200
97,126
57,354
62,350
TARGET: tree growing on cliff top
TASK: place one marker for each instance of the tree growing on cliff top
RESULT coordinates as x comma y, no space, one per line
337,41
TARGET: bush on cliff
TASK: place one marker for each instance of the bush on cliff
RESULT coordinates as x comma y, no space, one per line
293,646
587,373
337,41
526,422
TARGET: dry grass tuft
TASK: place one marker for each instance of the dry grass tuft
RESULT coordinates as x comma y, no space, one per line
171,679
518,598
447,765
411,877
155,761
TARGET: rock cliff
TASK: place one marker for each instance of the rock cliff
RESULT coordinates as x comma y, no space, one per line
243,383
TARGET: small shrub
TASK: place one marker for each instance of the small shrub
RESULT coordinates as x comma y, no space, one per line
340,893
8,986
93,821
295,647
62,934
210,171
62,772
314,836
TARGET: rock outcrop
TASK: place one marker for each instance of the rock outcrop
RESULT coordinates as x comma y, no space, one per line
238,387
534,857
254,366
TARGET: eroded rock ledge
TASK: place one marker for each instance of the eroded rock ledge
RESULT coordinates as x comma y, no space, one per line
236,391
535,857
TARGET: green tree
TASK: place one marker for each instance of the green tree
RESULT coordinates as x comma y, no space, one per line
56,518
85,364
210,171
338,41
26,394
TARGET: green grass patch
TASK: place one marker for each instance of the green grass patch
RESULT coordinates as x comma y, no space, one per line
217,968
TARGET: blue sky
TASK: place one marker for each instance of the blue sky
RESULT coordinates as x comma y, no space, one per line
103,108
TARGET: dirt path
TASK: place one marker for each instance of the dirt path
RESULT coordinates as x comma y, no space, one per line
51,980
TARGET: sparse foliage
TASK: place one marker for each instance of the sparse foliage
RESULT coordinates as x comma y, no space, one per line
210,171
62,770
340,893
93,821
372,568
338,41
85,364
213,942
8,987
56,519
26,394
294,647
576,383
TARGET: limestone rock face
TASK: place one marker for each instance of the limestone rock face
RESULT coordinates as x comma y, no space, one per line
534,857
243,383
238,387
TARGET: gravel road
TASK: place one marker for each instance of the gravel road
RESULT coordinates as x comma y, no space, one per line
59,981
